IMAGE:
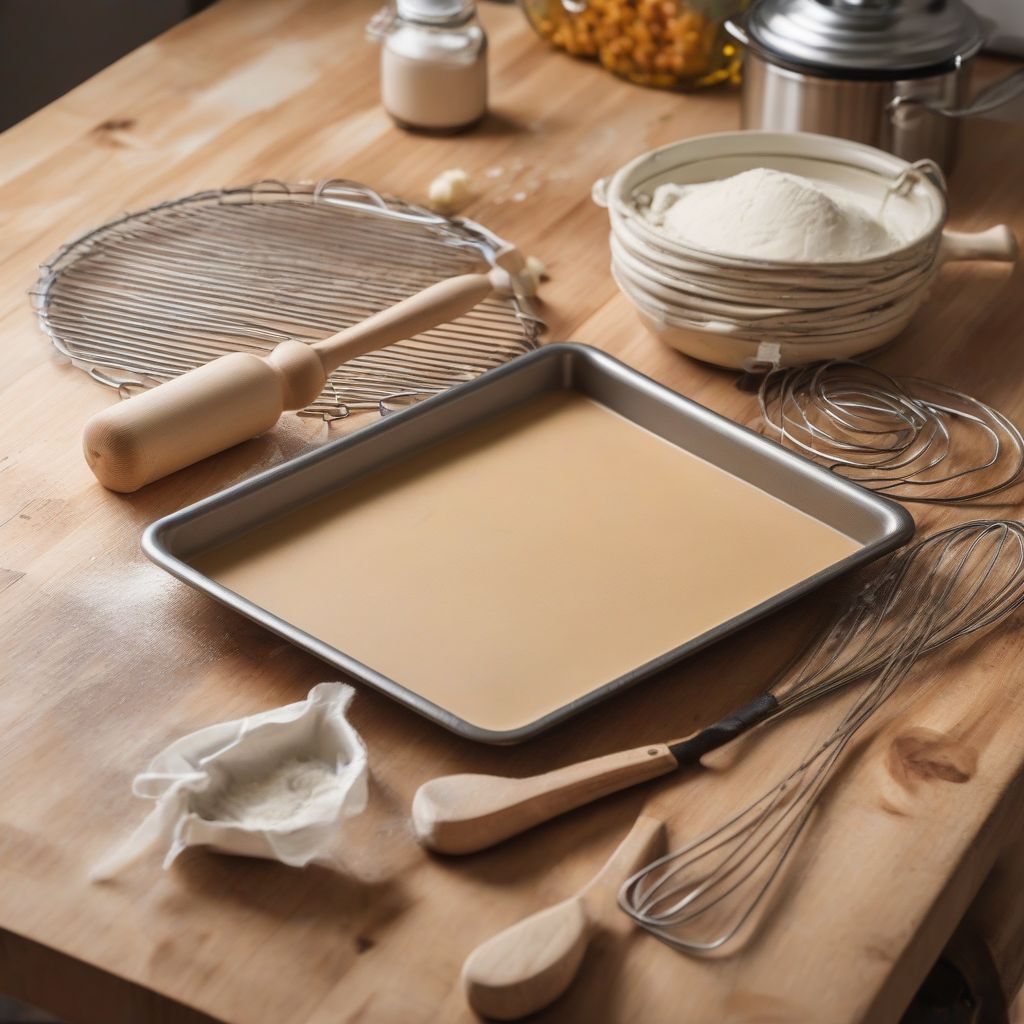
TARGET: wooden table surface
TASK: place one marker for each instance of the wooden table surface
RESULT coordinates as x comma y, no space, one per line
106,658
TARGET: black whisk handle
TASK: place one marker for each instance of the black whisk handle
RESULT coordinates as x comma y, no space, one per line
693,748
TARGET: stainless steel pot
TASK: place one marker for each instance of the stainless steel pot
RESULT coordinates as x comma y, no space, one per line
892,73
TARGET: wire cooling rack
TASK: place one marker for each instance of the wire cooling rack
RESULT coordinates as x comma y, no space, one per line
155,293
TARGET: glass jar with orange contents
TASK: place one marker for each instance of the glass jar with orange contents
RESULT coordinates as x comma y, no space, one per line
670,44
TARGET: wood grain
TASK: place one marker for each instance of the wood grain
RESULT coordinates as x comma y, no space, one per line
106,659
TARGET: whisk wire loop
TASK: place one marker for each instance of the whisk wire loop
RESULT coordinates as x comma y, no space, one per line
910,438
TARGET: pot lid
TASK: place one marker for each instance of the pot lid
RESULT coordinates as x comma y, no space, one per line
872,38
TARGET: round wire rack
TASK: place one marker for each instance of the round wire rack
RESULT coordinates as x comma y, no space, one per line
158,292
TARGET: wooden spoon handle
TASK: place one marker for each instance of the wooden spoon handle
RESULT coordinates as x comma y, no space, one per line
465,813
645,841
238,396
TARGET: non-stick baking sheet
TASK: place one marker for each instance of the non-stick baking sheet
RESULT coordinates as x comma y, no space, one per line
497,609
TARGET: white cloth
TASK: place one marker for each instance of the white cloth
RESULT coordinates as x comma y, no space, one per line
199,763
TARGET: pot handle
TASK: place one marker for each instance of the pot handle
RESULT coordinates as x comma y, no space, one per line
994,96
997,243
737,31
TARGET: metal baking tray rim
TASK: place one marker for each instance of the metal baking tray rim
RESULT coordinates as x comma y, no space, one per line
159,534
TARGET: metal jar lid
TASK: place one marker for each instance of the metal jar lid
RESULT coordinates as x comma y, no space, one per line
865,38
435,12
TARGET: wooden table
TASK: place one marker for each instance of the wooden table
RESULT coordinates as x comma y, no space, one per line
106,658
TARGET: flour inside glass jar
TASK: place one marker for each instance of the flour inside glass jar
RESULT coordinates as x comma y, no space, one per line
434,66
773,215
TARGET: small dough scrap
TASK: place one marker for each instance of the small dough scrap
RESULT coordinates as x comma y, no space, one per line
450,191
536,270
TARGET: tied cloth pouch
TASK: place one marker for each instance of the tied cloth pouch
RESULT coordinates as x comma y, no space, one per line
204,785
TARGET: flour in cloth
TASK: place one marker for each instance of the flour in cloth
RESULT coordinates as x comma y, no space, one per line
282,798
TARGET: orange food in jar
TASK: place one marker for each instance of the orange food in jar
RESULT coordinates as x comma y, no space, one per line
662,43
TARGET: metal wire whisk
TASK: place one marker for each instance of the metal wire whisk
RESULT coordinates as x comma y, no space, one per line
910,438
944,588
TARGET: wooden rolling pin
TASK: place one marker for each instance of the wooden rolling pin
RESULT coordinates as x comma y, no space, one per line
529,965
237,396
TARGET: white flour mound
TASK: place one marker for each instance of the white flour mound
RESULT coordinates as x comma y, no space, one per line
769,215
283,797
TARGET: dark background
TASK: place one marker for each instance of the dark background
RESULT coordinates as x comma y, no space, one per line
48,46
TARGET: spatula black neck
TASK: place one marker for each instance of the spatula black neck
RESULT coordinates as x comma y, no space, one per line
693,748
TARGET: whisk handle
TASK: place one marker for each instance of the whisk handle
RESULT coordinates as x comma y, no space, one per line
466,813
690,750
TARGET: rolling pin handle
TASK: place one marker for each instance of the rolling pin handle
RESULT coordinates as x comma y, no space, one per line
439,304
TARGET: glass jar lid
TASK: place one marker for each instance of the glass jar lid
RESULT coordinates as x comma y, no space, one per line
866,38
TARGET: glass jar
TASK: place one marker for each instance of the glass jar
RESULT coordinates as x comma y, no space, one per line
668,44
433,70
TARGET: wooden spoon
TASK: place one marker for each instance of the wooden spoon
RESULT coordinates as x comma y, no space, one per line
529,965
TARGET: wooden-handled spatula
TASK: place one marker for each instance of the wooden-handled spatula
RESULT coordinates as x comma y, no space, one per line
237,396
465,813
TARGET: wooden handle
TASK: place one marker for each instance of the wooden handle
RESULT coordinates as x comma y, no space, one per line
447,300
997,243
238,396
202,412
465,813
645,841
529,965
